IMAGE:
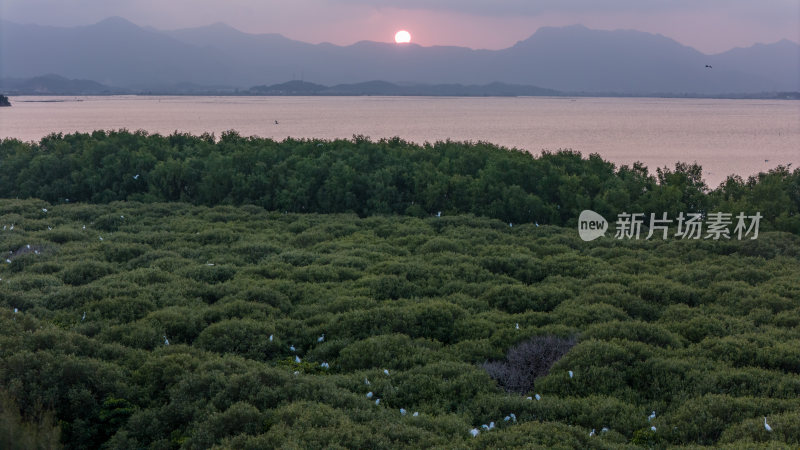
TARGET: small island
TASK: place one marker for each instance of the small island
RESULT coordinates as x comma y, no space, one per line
4,101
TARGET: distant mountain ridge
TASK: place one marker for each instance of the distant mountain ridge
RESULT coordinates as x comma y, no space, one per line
120,54
56,85
377,87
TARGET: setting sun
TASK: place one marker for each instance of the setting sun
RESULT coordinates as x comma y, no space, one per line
402,37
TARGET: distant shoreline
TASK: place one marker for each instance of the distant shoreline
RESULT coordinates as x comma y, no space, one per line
54,85
764,96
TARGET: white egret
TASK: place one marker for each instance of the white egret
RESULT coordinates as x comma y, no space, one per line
485,427
439,214
570,373
270,337
538,397
651,416
530,398
291,347
653,429
510,224
591,433
101,237
377,401
296,373
321,338
28,246
766,425
517,327
325,365
84,316
136,177
491,425
297,359
209,264
513,417
44,210
49,228
416,414
8,261
12,227
402,412
366,381
507,418
166,341
16,311
369,394
84,227
605,430
386,371
474,432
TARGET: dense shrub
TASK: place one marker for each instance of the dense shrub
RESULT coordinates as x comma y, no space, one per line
434,301
390,176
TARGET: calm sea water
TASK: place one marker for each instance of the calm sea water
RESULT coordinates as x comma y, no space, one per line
725,136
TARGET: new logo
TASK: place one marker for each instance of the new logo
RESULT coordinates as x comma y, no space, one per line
591,225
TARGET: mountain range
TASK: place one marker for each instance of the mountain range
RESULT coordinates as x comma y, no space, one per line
122,56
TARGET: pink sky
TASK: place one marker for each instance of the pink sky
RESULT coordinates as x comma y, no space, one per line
710,26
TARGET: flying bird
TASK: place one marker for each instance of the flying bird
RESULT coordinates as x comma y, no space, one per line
708,67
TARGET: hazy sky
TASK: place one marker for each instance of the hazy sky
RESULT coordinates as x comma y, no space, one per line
708,25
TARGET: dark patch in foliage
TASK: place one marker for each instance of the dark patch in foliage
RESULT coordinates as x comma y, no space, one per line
528,361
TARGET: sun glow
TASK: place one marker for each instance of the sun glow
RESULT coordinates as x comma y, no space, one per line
402,37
